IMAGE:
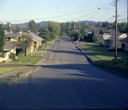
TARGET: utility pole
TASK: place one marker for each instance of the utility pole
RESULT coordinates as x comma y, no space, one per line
127,19
116,28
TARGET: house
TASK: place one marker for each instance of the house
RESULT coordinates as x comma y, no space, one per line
105,39
120,40
36,42
7,49
89,37
17,37
124,41
12,37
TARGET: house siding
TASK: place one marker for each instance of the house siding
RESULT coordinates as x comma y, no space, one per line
5,58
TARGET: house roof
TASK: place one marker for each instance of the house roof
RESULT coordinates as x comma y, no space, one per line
33,36
8,46
12,35
113,35
122,36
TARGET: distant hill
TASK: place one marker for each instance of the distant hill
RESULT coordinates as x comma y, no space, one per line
22,25
89,22
42,23
25,25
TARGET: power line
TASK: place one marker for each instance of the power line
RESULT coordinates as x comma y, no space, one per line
50,17
112,17
90,13
122,19
57,16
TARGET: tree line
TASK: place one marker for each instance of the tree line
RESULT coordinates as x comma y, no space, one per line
51,30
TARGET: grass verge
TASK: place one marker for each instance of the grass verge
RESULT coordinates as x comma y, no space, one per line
101,57
6,70
36,56
32,59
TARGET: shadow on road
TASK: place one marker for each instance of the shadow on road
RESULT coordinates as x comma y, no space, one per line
82,70
66,86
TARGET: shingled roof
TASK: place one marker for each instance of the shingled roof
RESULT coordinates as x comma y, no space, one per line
8,46
12,35
33,36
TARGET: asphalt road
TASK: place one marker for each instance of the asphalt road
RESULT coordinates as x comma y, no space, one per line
66,80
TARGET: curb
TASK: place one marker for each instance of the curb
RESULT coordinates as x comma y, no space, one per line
81,50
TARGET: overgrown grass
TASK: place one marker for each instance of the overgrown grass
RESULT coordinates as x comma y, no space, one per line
100,56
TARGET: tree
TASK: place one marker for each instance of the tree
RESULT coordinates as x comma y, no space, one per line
63,29
83,30
75,35
123,27
50,31
33,26
8,27
25,43
105,24
44,31
17,29
54,30
1,37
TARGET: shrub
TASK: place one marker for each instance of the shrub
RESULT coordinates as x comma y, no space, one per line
12,56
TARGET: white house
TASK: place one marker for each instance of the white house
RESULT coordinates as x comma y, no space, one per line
105,40
120,37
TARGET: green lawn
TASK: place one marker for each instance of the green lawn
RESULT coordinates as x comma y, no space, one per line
6,69
100,56
98,52
32,59
46,46
36,56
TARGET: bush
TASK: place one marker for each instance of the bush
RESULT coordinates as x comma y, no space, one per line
44,41
95,39
12,56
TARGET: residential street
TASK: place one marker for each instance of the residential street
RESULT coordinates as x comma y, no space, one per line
65,79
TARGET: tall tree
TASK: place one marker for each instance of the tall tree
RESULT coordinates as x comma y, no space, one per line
50,31
63,29
25,43
44,31
33,26
1,37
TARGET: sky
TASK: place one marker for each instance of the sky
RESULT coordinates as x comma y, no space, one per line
19,11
